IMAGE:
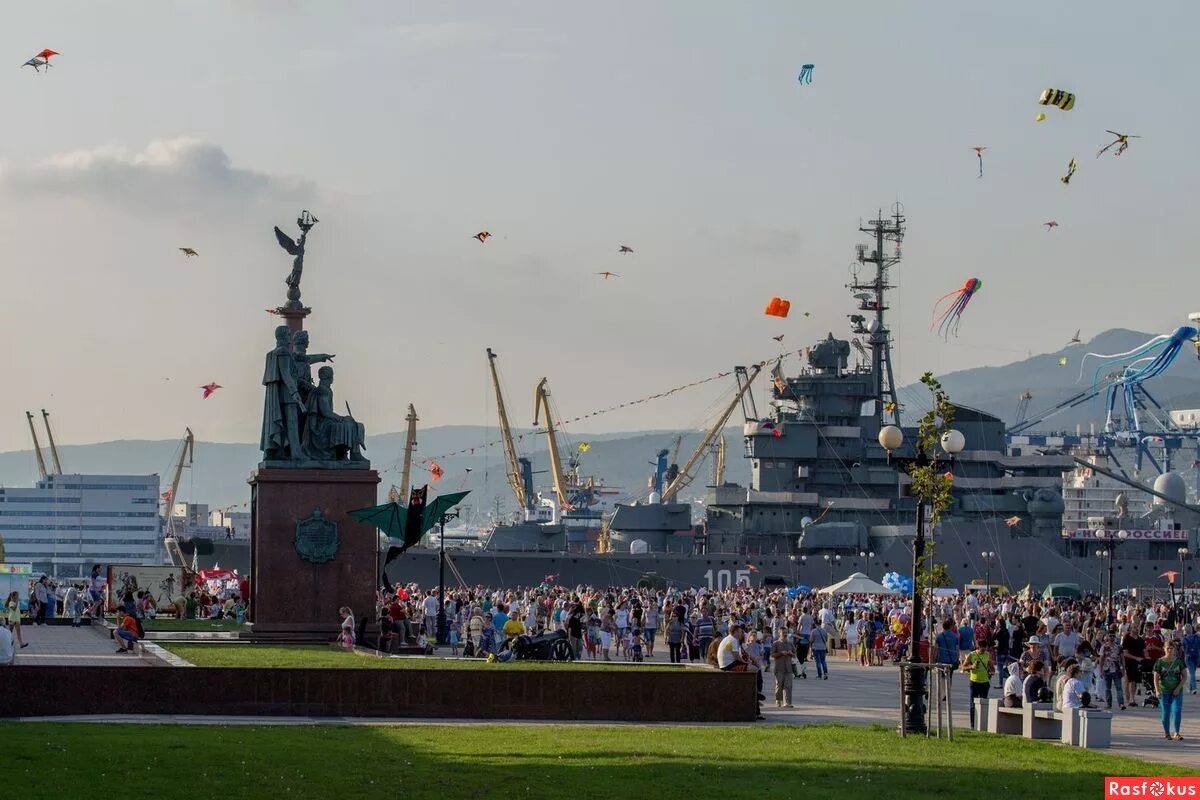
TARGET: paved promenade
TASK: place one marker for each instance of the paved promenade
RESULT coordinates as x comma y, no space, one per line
88,645
853,695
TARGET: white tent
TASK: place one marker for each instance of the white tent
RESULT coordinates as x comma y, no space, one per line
857,583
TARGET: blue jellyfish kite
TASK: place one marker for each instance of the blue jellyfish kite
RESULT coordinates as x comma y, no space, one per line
1140,364
806,73
947,316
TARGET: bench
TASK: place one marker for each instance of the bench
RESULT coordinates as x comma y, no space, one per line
1081,727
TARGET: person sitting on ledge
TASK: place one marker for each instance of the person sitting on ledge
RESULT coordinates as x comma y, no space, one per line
127,631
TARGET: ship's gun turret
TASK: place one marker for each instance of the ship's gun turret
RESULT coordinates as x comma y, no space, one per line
830,355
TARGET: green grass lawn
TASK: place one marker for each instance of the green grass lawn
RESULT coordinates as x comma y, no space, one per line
553,762
327,656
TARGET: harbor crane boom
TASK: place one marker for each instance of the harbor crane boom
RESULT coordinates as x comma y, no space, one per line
511,462
685,475
37,447
53,446
541,402
410,442
186,453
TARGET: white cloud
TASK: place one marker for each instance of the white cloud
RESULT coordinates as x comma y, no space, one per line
166,171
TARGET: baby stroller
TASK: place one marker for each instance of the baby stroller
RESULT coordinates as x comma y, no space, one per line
1147,686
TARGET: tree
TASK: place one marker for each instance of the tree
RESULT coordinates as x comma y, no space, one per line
931,483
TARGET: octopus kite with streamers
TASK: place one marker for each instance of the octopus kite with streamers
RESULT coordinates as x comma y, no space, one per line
1139,364
948,310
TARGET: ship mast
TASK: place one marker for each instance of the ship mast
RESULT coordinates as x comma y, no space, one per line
871,295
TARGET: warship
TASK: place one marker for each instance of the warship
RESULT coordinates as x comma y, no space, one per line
825,499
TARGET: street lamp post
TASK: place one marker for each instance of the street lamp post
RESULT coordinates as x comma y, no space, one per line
1112,543
442,637
1103,554
988,555
831,560
1183,556
891,438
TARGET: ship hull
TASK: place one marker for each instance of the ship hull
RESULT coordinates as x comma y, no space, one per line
1019,561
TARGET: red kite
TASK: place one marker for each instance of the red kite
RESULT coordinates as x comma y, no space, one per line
435,471
47,53
210,388
778,307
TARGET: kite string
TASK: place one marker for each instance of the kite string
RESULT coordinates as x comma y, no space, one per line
648,398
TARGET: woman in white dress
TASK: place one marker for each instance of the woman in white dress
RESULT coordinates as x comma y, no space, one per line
852,639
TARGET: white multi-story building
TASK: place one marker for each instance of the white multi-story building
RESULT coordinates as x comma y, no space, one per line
67,523
1088,495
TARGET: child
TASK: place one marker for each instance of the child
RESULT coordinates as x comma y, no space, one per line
593,635
454,640
634,644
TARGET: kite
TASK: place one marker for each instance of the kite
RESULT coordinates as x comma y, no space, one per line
1071,167
1040,117
778,307
1075,339
979,153
1139,364
1050,224
778,338
584,447
45,55
189,252
625,249
435,472
210,388
806,73
608,275
1012,522
36,63
1064,101
1121,143
482,236
1062,362
273,311
948,318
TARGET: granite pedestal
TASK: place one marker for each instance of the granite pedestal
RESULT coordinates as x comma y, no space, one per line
294,596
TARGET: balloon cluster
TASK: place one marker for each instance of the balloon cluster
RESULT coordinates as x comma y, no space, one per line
796,591
896,582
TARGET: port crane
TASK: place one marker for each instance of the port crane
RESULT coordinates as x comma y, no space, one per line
170,541
541,404
53,447
410,441
684,478
37,447
518,470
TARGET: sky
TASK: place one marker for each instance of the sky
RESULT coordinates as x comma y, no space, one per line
566,130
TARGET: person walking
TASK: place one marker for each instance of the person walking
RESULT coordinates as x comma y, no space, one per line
782,654
40,595
1168,685
705,627
1191,655
675,632
978,665
1110,668
12,612
819,647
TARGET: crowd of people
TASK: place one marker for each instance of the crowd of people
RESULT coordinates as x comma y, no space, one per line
1068,650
